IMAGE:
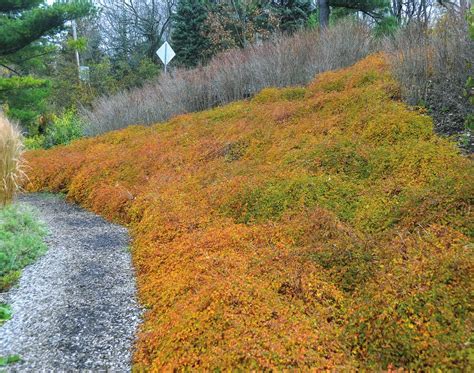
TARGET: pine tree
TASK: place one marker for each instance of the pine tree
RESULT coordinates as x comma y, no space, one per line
24,21
292,14
189,33
24,49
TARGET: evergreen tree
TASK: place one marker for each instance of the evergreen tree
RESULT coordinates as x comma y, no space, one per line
292,14
24,21
24,51
189,38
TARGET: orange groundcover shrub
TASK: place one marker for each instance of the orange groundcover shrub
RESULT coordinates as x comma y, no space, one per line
320,227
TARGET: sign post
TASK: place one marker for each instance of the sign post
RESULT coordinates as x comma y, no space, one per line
166,54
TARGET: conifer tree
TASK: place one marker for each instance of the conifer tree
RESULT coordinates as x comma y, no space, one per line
189,38
23,27
24,21
292,14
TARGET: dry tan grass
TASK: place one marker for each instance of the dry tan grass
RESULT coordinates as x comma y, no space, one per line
432,66
232,75
11,162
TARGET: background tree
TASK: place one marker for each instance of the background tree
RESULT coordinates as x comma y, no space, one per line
251,20
375,9
23,21
189,36
324,12
292,15
239,23
407,11
26,43
470,79
135,28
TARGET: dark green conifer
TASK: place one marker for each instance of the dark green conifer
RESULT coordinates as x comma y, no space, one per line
24,26
188,38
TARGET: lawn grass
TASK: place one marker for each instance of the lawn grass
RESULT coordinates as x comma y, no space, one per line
21,242
4,361
5,313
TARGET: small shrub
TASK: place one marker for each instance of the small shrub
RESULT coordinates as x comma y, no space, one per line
62,130
34,142
11,162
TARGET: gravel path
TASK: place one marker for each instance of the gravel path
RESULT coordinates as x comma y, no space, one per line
75,308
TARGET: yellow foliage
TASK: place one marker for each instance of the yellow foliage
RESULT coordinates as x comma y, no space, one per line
321,227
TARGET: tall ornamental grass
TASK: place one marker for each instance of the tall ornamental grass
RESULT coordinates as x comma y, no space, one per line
11,162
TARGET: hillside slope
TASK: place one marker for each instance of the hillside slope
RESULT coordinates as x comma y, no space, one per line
321,227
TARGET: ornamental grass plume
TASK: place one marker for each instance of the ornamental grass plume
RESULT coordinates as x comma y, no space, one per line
11,151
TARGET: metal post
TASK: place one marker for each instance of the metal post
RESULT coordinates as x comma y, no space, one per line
166,55
74,36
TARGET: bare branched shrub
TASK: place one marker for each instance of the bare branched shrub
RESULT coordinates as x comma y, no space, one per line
432,66
233,75
11,150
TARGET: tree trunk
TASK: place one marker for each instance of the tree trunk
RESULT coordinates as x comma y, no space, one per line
324,13
464,6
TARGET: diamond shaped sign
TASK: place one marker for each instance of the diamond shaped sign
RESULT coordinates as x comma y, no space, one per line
166,53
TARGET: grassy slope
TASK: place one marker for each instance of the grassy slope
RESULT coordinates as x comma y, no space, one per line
322,227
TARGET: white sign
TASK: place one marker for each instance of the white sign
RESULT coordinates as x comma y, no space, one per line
166,53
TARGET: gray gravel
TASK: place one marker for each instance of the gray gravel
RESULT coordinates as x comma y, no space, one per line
75,308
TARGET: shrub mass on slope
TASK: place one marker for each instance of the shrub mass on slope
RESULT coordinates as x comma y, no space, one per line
324,227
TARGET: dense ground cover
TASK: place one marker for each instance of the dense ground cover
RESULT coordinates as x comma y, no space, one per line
325,226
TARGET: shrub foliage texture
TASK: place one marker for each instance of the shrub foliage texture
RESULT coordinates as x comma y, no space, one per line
324,227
